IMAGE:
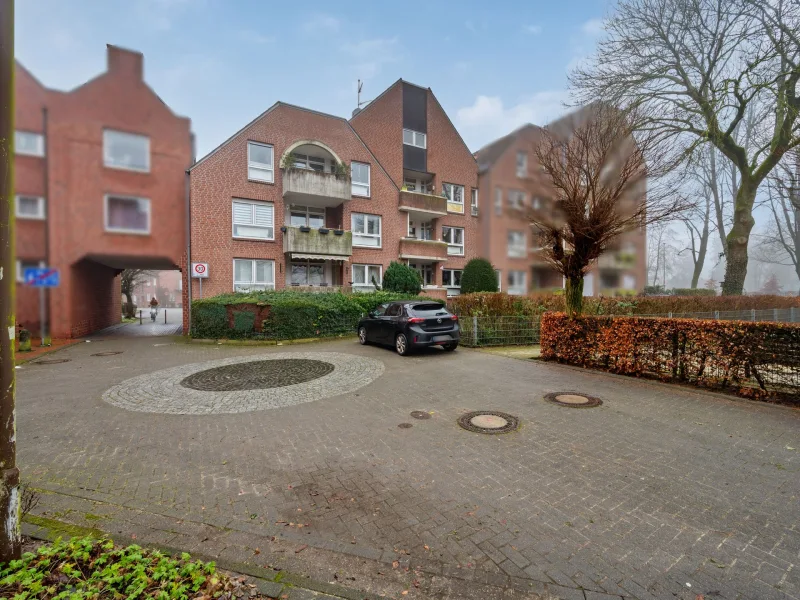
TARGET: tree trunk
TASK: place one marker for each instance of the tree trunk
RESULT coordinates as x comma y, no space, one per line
700,261
573,296
738,239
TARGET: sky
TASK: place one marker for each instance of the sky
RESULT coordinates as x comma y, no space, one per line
493,65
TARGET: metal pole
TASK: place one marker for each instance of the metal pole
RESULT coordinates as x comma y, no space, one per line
42,317
475,331
201,286
140,316
10,539
165,316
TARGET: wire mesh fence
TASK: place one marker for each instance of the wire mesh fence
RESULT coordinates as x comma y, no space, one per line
777,315
507,330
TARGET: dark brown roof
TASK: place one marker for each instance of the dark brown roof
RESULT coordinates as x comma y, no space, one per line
489,154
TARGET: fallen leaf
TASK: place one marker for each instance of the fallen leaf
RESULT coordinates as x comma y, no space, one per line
395,564
301,548
405,593
426,547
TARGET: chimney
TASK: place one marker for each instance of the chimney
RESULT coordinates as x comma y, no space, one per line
125,63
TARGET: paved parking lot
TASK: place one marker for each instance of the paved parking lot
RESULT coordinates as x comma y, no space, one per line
661,492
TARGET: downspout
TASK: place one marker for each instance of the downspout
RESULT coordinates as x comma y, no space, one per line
187,195
44,325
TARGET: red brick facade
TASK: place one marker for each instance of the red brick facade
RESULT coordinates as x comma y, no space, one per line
498,175
74,180
373,137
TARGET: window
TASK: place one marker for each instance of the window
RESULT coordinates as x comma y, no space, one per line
125,214
516,244
366,230
359,176
629,282
25,263
499,274
29,207
423,186
455,197
363,276
498,201
307,272
536,204
28,143
126,151
522,164
312,163
253,275
516,198
451,279
306,216
474,202
253,220
259,162
516,283
454,236
415,138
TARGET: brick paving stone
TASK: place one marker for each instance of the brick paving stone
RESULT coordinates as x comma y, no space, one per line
637,495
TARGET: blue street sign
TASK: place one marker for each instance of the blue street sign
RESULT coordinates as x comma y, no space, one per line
42,277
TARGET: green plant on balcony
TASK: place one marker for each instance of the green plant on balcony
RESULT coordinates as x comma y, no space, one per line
340,170
288,161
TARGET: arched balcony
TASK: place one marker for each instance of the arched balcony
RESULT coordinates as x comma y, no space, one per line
313,175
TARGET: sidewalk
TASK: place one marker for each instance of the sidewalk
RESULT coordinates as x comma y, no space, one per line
38,350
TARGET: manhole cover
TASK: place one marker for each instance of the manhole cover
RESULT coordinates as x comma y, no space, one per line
488,421
573,399
258,375
51,361
405,426
109,353
420,414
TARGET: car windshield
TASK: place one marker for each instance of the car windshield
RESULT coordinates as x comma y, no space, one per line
428,310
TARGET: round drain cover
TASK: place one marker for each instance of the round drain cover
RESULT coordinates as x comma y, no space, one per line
109,353
573,399
51,361
405,426
488,421
420,414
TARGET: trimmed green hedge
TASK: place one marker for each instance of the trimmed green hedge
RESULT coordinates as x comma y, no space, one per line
478,276
402,279
292,315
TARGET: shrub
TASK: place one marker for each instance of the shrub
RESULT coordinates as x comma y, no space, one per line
478,276
244,322
654,290
693,292
402,279
751,359
89,568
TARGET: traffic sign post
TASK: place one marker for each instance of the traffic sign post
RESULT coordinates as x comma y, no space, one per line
42,278
200,272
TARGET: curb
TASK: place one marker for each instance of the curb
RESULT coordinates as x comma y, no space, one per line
226,342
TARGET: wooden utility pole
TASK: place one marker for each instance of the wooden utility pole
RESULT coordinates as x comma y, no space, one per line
10,539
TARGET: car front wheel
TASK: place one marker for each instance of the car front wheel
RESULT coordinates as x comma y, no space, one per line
362,335
401,344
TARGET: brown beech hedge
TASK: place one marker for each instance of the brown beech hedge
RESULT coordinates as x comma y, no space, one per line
757,360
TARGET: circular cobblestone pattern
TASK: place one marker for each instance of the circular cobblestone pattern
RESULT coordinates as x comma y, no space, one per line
262,374
271,381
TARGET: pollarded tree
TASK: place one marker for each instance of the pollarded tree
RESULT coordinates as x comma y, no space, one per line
606,179
697,69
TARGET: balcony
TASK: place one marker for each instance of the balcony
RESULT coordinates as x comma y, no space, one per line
314,188
315,243
416,249
617,261
423,206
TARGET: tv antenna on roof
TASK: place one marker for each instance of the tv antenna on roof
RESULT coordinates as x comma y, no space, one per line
359,102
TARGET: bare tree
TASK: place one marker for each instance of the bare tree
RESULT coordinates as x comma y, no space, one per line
780,244
605,181
695,68
129,279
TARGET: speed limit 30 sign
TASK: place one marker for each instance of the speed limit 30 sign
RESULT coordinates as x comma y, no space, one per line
200,270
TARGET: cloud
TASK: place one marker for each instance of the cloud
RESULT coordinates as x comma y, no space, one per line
593,27
533,29
248,35
369,56
488,118
322,24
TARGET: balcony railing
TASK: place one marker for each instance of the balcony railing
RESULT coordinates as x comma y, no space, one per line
306,186
413,248
423,203
617,261
323,242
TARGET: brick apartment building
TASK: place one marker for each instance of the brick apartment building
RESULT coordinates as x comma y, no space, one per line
511,182
305,200
99,187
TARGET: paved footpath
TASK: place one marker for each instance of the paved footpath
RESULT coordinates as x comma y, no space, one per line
661,492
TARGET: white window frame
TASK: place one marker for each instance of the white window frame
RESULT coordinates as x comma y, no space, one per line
253,203
368,281
522,169
40,146
417,139
517,249
516,288
108,197
378,236
308,210
21,271
41,213
361,184
269,169
452,248
267,286
107,158
451,195
499,274
516,198
473,202
304,161
452,289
